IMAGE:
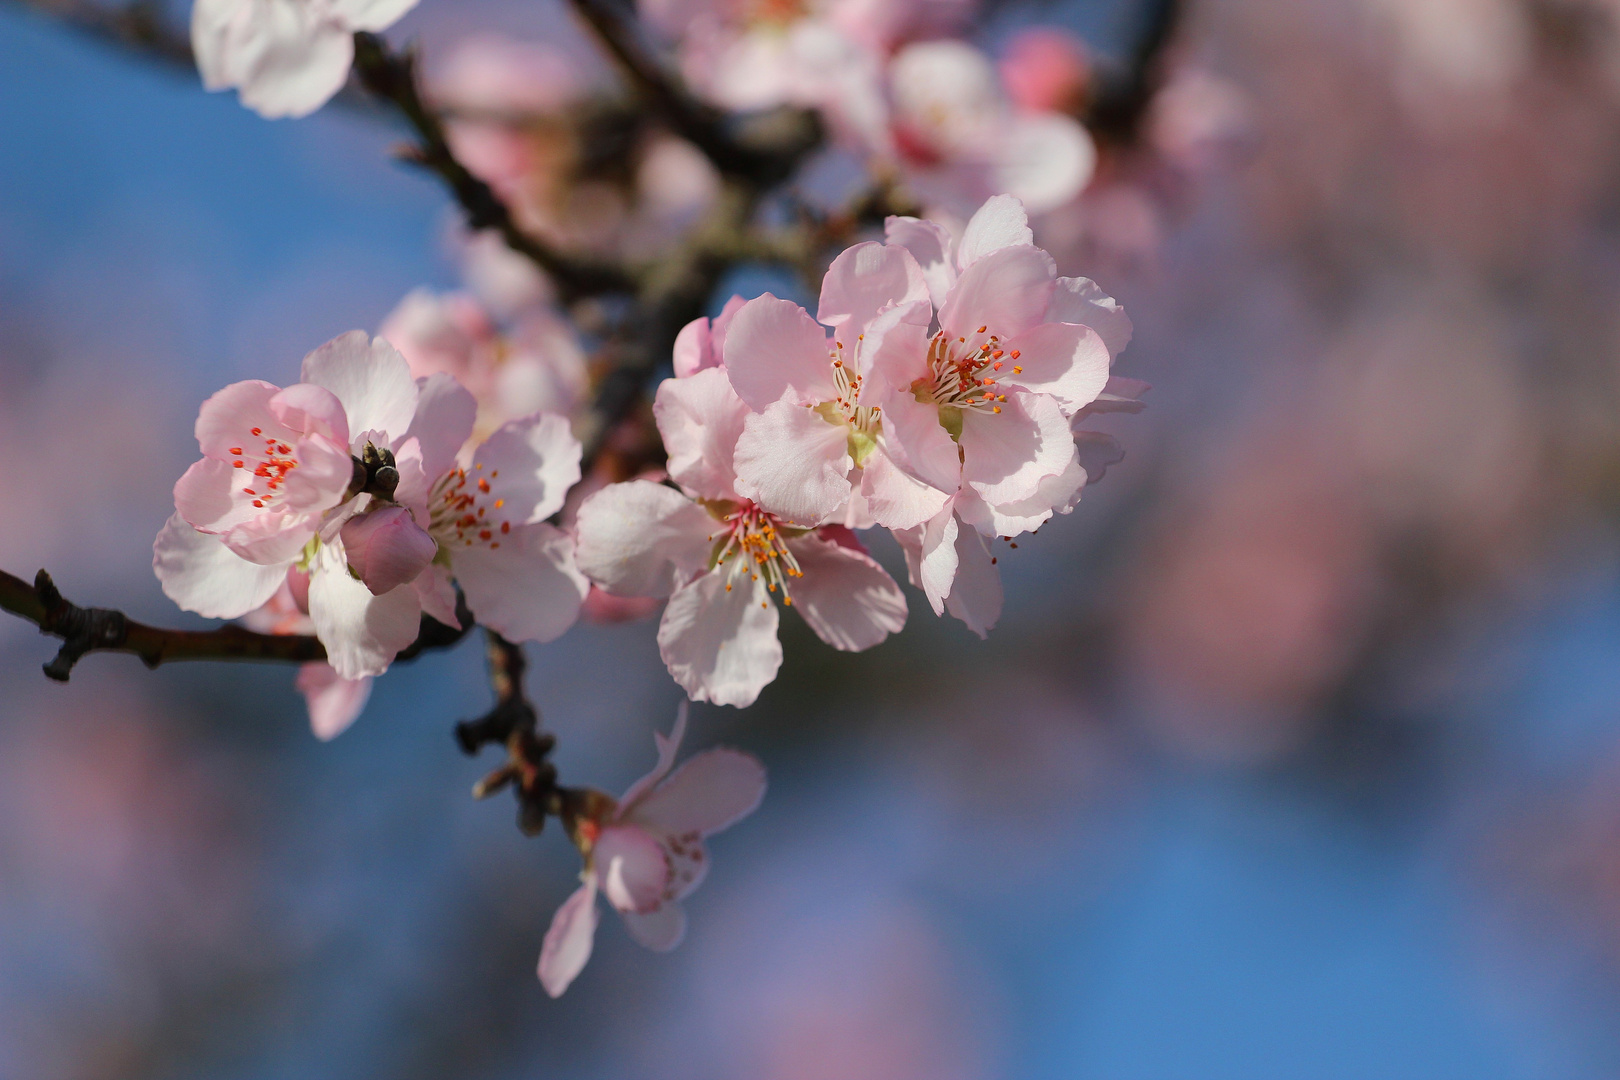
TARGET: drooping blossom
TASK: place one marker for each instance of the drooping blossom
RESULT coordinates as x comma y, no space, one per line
1019,355
284,57
720,556
818,443
333,701
959,139
645,852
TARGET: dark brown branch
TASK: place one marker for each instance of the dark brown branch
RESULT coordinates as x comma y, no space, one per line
139,26
392,77
762,150
1120,100
515,723
86,630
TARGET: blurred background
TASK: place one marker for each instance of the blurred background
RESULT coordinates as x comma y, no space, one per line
1296,753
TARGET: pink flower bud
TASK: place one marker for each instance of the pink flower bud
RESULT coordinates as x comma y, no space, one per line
387,548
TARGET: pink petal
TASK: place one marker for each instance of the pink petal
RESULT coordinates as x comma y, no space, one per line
721,646
1055,494
334,703
537,459
632,867
1005,455
1046,159
794,463
445,412
895,498
227,419
1000,223
931,245
660,929
775,348
209,496
918,443
387,548
642,539
700,419
371,379
529,588
306,409
198,572
1097,452
866,279
692,352
568,942
711,791
975,596
892,350
667,746
847,598
1119,394
322,477
1064,360
1007,290
936,558
436,593
362,632
273,536
415,486
1081,300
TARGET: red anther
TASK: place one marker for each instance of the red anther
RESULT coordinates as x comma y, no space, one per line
258,502
235,450
506,526
258,431
483,485
1015,354
996,354
996,366
249,491
239,464
493,473
484,534
493,544
982,329
284,448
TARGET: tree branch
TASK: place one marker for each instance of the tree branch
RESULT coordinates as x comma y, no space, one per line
87,630
1122,96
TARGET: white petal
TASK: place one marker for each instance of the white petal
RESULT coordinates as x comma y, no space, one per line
774,348
529,588
660,929
632,866
931,245
937,558
711,791
847,598
642,539
1006,455
721,646
373,15
201,574
568,942
1001,222
976,591
372,380
700,418
445,412
286,57
334,703
1067,361
537,459
1046,159
1081,300
667,746
362,633
893,497
794,463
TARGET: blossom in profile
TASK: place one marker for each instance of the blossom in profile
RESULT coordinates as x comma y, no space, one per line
284,57
644,853
720,556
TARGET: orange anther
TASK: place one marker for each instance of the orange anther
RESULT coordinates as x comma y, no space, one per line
1015,354
239,464
483,485
258,431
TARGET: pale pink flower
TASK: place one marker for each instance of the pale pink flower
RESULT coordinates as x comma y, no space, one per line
819,444
333,701
1045,69
702,342
960,140
719,556
645,852
285,57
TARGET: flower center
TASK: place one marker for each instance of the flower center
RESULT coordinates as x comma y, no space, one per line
266,470
753,544
963,371
865,422
460,510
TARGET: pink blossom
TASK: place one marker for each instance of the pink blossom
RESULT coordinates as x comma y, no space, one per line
720,556
285,57
1045,69
645,852
702,342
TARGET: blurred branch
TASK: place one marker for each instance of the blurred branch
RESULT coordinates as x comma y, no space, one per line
86,630
1121,97
139,26
761,150
514,723
392,77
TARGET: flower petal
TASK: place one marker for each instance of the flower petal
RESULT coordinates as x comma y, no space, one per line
387,548
1067,361
931,245
1081,300
438,595
919,443
198,572
1000,223
700,418
362,632
445,412
893,497
372,380
207,495
667,746
1046,159
692,352
642,539
1008,290
632,867
711,791
568,942
373,15
774,348
227,417
306,409
794,462
847,598
937,558
537,459
1006,455
721,645
334,702
529,588
866,279
660,929
975,596
287,58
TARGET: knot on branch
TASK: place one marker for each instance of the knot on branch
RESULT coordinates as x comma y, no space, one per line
81,629
515,723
